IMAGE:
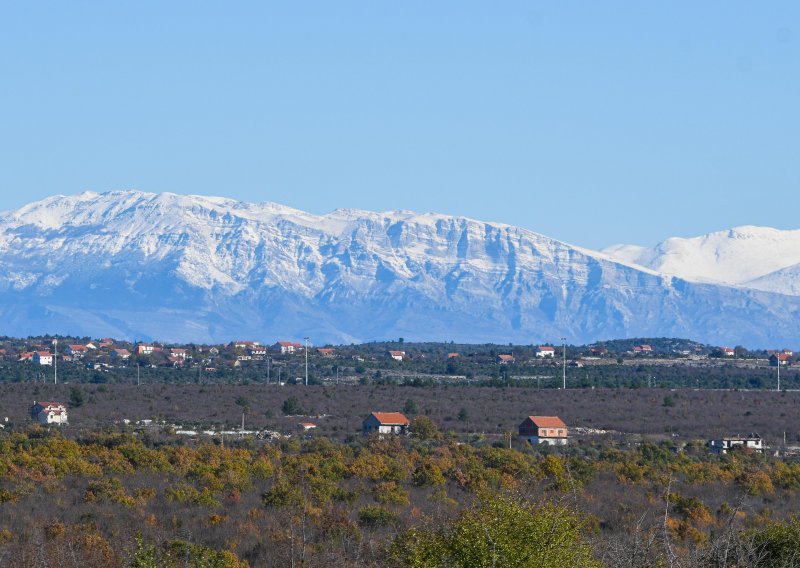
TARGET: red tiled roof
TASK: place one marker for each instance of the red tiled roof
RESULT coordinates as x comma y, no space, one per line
546,348
547,421
504,357
391,418
397,353
44,404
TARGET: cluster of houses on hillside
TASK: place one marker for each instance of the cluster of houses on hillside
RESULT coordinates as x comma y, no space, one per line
108,352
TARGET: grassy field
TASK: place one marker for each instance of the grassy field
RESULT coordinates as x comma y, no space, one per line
339,410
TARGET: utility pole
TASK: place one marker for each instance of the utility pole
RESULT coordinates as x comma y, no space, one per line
306,339
55,361
269,360
564,366
779,373
138,378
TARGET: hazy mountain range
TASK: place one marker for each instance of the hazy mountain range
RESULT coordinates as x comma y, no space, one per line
191,268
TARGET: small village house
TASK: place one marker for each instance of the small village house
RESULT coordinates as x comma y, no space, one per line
49,412
121,353
326,352
245,344
544,430
257,352
728,351
287,347
146,349
781,359
76,351
752,442
177,352
546,351
396,355
306,426
386,423
505,359
43,358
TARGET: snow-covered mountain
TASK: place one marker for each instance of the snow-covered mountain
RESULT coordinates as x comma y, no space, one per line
190,268
761,258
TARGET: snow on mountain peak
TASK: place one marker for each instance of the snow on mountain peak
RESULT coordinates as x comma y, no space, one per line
734,257
190,267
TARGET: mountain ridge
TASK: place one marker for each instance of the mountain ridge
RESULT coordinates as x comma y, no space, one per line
178,267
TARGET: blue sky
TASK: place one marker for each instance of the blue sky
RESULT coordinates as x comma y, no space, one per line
592,122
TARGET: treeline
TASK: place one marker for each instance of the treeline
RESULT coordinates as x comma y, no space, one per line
123,500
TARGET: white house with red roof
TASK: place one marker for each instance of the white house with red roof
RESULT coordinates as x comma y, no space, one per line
396,355
146,348
121,353
546,351
728,351
780,359
544,430
386,423
49,412
287,347
505,359
76,351
177,352
43,358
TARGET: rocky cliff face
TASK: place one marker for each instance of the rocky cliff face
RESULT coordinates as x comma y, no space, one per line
190,268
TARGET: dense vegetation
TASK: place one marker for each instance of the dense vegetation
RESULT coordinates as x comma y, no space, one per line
114,498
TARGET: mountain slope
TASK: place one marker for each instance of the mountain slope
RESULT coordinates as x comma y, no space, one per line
741,256
191,268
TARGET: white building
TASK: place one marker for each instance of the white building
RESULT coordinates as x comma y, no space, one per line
396,355
287,347
385,423
546,351
752,442
49,412
43,358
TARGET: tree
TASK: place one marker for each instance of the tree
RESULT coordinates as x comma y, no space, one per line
292,407
76,397
423,428
502,530
463,415
410,407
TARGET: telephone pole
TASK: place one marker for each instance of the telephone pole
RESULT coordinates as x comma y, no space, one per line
564,356
306,340
55,361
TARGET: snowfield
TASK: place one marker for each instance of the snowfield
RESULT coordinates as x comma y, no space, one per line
191,268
